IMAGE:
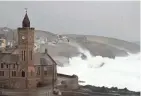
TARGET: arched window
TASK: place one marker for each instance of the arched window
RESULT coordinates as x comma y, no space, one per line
23,74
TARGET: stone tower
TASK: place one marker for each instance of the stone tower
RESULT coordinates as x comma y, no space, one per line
26,53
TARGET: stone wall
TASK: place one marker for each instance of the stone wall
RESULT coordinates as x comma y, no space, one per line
46,79
4,83
67,81
18,83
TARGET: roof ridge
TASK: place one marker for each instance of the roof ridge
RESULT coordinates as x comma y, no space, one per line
51,58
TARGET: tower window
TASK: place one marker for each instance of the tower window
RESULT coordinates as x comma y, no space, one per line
1,73
24,56
13,73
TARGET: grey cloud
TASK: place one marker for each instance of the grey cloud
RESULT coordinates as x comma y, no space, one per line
117,19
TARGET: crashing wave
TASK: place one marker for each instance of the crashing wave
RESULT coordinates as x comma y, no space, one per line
100,71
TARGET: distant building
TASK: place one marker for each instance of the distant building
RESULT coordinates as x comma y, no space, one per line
67,82
2,41
22,67
2,36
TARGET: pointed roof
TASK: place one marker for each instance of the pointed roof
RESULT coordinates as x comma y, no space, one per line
26,21
44,59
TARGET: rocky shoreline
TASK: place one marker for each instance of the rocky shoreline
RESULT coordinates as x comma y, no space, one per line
87,90
114,91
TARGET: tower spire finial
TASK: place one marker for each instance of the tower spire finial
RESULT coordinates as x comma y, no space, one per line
26,21
26,9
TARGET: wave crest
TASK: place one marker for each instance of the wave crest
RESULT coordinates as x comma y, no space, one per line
120,72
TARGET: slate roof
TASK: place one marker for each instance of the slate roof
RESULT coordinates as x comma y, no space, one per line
9,58
11,50
44,59
37,58
11,55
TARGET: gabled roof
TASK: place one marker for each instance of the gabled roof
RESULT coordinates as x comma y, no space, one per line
37,58
13,50
9,58
45,59
12,55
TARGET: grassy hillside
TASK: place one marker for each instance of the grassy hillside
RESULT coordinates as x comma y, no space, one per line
97,45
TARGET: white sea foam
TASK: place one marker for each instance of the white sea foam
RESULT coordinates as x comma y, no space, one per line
120,72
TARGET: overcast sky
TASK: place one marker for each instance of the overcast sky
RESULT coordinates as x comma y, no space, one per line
110,18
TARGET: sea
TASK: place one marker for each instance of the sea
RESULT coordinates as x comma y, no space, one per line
120,72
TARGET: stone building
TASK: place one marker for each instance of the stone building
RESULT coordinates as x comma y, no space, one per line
67,82
20,64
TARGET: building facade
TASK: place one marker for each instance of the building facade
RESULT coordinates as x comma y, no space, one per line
22,65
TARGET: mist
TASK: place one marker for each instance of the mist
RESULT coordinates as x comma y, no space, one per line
121,72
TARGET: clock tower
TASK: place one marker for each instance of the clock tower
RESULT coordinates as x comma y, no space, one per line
26,53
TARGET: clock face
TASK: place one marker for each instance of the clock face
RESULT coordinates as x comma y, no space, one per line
23,37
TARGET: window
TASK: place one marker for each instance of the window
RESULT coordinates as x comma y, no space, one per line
45,72
24,56
7,66
31,54
38,71
23,74
2,65
13,73
1,73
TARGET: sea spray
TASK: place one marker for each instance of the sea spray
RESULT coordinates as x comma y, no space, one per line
120,72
